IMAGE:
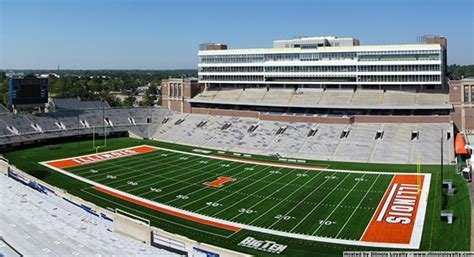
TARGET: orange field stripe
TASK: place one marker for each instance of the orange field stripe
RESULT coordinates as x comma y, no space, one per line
64,164
394,220
167,211
268,163
73,162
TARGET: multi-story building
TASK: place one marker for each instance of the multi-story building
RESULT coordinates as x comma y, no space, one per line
461,95
326,62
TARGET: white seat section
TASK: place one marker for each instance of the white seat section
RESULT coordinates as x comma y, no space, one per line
307,96
252,95
36,224
279,96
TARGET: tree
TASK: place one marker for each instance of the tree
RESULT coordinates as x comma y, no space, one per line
129,101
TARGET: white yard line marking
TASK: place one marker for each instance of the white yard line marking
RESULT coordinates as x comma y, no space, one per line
274,206
227,195
268,196
156,175
84,168
387,202
118,173
337,206
243,199
319,203
207,179
358,205
156,217
375,212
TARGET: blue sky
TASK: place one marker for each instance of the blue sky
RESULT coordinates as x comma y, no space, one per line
165,34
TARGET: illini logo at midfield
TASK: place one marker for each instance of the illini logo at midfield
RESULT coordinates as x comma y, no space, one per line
219,182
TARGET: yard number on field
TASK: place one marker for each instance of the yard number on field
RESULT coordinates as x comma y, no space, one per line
184,197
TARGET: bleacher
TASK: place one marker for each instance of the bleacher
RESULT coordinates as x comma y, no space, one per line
364,142
36,224
232,133
319,96
77,104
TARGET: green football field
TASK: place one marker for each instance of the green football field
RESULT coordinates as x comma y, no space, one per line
324,209
312,202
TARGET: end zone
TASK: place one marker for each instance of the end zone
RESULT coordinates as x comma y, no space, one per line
105,156
400,215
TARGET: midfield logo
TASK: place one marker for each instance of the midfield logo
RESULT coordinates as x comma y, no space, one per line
265,245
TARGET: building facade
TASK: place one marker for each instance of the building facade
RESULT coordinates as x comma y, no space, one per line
177,91
326,62
461,96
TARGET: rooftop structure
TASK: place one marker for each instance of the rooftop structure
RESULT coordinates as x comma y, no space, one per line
326,62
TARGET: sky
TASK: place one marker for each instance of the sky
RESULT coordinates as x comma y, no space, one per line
165,34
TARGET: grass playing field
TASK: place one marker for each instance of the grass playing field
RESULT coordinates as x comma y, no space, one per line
304,202
324,207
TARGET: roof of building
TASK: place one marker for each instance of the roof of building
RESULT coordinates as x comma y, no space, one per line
324,49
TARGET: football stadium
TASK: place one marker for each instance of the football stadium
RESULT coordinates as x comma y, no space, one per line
315,147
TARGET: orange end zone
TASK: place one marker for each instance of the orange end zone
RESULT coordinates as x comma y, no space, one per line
268,163
167,211
394,219
80,160
219,182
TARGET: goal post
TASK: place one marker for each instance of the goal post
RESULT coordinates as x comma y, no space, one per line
104,142
418,171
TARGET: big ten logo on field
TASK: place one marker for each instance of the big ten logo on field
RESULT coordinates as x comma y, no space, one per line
219,182
263,245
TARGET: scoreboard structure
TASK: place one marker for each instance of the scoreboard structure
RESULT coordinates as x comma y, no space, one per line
28,92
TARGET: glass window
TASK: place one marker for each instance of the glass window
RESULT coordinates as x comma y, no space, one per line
466,94
472,93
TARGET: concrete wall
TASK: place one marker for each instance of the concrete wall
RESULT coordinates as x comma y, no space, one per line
401,119
333,120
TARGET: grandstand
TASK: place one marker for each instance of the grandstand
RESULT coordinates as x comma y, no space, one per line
327,143
37,224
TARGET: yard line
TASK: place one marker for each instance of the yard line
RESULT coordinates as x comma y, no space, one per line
173,178
230,186
357,207
201,183
334,210
288,173
122,168
304,199
153,175
270,195
286,198
111,169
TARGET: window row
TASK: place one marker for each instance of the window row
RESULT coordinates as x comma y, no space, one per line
230,78
400,52
433,67
401,57
400,78
342,68
371,78
259,58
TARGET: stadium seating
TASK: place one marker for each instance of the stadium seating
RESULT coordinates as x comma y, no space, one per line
319,96
37,224
78,104
393,144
